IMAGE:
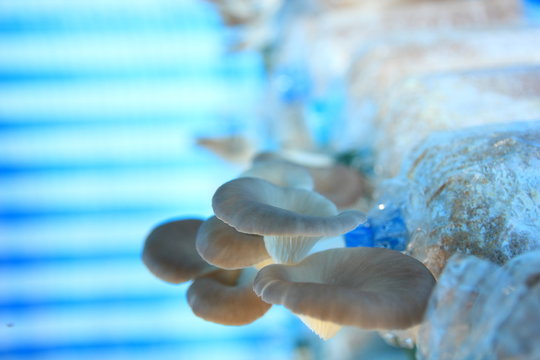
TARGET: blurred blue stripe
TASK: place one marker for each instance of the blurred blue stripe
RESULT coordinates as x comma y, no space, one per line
18,214
149,299
48,75
25,260
251,341
58,16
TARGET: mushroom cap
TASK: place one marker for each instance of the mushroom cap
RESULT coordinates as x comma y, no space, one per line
226,297
344,186
280,172
299,157
371,288
170,254
235,148
223,246
255,206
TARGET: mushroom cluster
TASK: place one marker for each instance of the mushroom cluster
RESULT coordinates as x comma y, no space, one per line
255,253
216,294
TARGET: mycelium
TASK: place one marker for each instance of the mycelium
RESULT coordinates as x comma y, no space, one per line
370,288
221,245
222,296
291,220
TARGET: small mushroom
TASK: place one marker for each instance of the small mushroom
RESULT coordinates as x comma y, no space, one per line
291,220
170,254
235,149
226,297
344,186
304,158
223,246
371,288
280,172
222,296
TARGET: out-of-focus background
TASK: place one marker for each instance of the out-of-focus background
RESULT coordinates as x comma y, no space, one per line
101,103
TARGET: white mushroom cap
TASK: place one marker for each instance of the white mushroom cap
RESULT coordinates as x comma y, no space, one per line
280,172
371,288
226,297
291,220
223,246
170,254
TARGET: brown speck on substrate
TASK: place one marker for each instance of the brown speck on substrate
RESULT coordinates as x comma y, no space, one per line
533,280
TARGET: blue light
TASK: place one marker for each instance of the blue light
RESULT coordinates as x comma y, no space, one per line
100,105
293,84
361,236
384,227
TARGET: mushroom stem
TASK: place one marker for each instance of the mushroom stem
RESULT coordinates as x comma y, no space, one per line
324,329
246,277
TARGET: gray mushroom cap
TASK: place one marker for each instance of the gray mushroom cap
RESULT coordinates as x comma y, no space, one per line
170,254
223,246
280,172
371,288
226,297
255,206
344,186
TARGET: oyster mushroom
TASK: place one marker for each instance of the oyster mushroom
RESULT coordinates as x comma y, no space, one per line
235,148
291,220
223,246
280,172
222,296
226,297
371,288
343,185
169,251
